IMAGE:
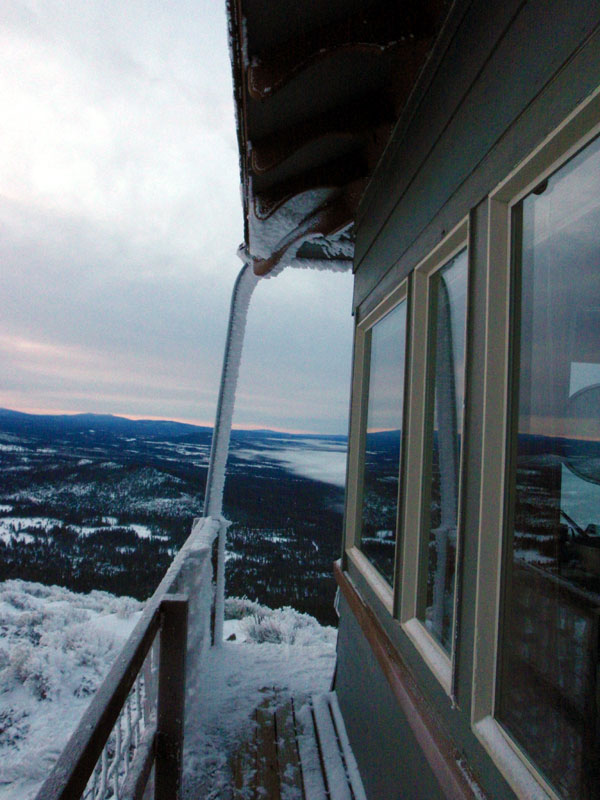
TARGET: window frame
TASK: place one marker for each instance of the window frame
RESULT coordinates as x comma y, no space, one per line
360,390
413,548
401,600
576,131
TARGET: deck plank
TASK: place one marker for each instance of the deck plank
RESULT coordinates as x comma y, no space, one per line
288,760
347,754
267,773
297,749
335,770
312,775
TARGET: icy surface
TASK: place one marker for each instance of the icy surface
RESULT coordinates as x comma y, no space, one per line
266,235
281,650
55,649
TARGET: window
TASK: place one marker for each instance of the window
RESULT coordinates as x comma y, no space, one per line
434,443
386,343
376,442
549,661
403,504
443,439
535,695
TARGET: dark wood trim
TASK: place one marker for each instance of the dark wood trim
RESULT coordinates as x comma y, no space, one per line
375,30
171,697
334,175
357,120
439,750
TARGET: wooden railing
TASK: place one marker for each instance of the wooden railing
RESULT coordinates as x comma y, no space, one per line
144,692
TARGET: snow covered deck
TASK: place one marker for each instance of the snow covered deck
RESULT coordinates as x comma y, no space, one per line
297,750
260,719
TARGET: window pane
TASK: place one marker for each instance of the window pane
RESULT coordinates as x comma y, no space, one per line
383,436
548,688
448,294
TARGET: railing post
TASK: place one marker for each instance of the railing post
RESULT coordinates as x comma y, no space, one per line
171,697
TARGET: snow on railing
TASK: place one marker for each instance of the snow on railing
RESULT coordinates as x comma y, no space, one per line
135,720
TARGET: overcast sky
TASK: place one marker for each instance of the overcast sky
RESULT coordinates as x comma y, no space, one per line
120,217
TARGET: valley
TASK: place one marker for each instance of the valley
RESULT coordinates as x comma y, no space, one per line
99,502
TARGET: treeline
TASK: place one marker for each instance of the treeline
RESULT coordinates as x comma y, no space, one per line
116,561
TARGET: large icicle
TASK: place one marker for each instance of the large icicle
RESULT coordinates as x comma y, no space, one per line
215,482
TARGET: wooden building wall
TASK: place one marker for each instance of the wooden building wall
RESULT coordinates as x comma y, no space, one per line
504,76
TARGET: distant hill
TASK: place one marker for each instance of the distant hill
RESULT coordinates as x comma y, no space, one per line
23,424
50,425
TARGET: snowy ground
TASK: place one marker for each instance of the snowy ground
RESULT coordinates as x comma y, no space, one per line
56,646
279,650
16,528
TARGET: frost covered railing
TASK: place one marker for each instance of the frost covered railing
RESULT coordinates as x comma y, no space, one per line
135,721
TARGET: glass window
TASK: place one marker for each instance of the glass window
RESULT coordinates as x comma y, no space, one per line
386,342
548,691
446,359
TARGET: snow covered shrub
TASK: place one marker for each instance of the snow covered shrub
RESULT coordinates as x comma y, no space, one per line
18,662
264,630
126,607
285,626
39,678
37,589
30,669
93,651
13,728
240,607
56,646
17,600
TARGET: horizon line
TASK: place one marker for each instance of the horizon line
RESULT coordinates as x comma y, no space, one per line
152,418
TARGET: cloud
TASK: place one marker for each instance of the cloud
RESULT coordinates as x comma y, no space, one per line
121,215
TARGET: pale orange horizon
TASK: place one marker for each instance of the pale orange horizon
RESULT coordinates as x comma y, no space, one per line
236,426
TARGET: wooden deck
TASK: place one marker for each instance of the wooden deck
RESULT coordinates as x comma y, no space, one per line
298,750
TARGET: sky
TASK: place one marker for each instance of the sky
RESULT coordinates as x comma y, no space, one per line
120,217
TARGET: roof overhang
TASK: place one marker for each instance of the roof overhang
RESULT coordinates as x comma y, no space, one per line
318,88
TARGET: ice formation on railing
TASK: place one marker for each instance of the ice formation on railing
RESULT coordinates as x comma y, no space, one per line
137,714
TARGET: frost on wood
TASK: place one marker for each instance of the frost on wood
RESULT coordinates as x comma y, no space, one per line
194,579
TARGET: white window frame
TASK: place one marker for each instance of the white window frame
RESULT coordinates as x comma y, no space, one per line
580,127
429,648
401,599
360,388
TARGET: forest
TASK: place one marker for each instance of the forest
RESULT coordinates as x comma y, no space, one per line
106,503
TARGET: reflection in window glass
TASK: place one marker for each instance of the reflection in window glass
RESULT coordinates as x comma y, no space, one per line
383,436
548,696
448,293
